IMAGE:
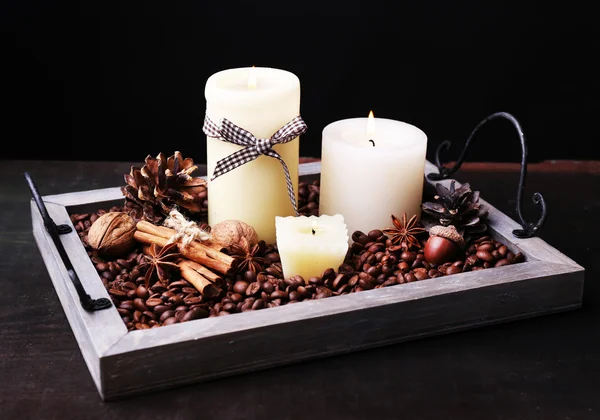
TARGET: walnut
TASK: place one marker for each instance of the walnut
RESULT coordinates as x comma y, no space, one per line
112,234
233,232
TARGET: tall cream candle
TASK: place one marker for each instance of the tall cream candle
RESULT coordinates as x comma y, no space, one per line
260,100
368,181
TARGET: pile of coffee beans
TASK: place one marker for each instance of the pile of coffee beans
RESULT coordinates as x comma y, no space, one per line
372,262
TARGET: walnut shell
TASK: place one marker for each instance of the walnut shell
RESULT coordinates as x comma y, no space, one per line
112,234
231,232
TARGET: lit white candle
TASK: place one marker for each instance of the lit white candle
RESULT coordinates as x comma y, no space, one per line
372,168
261,100
309,245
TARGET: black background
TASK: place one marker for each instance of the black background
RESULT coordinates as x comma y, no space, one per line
103,81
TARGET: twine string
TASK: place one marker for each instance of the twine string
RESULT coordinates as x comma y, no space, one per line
187,231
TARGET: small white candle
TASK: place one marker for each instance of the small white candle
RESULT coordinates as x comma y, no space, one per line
372,168
310,245
260,100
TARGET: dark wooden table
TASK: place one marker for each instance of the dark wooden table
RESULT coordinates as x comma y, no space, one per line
542,368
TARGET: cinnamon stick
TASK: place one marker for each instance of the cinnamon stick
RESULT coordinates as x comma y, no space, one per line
223,264
212,251
189,271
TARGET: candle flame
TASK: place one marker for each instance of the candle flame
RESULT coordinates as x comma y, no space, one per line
252,78
371,126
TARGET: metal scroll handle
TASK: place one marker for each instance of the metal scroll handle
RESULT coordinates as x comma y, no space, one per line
529,229
87,302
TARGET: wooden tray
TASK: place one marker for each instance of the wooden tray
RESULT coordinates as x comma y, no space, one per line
126,363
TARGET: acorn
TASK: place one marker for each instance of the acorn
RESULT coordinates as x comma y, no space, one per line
443,245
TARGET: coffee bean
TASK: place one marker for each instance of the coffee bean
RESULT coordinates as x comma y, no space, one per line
503,250
123,312
152,302
189,290
230,307
247,305
471,260
149,315
127,304
519,257
340,280
360,237
159,309
400,278
267,287
273,257
408,257
100,267
356,247
249,276
253,289
453,269
374,234
175,300
374,271
421,274
375,248
240,287
236,298
346,269
274,271
195,313
486,247
261,277
158,288
167,314
258,304
123,263
294,295
410,277
139,304
179,283
180,314
403,266
192,300
485,256
389,282
328,274
502,262
171,320
279,294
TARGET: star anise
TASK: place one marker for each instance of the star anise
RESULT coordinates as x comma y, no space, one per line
160,261
247,257
405,232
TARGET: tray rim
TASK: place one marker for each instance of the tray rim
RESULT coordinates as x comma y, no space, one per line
103,346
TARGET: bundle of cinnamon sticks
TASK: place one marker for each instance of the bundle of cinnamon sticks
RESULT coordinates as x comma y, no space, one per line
201,264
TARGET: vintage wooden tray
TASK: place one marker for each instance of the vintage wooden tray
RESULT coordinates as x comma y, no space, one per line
126,363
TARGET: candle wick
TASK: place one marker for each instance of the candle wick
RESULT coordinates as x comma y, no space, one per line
372,142
313,231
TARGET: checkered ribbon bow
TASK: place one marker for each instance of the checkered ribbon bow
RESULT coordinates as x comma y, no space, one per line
255,147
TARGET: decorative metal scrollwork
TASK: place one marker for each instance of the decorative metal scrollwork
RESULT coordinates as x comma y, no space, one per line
529,229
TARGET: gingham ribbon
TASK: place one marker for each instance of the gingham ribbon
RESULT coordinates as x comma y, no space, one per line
229,132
